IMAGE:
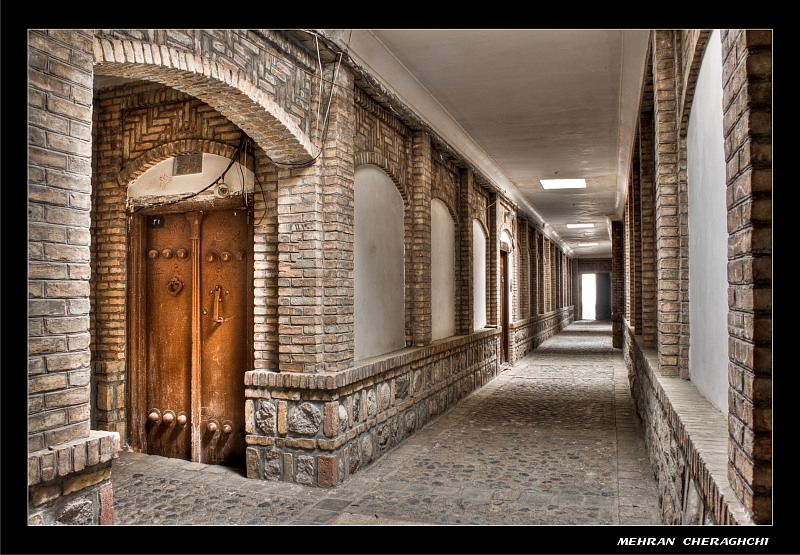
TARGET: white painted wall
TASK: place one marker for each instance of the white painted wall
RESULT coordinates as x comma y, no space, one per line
478,276
158,181
708,234
443,272
379,313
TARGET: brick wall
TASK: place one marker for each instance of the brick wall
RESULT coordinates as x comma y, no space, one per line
68,463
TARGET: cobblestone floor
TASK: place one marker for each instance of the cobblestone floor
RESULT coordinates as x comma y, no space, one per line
553,440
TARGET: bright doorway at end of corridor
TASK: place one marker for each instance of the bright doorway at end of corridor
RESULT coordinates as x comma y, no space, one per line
596,296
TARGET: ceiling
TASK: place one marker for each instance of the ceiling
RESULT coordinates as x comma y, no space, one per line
525,105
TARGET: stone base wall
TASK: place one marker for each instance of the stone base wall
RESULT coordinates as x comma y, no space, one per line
687,442
70,484
531,332
318,429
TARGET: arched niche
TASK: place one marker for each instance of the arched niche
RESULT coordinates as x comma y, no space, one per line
443,285
478,276
379,276
708,233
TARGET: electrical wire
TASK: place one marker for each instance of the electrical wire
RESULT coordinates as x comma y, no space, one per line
235,158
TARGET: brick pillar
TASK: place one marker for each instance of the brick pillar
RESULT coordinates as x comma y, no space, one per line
645,225
493,265
464,277
617,282
315,210
68,464
525,273
420,275
666,203
747,105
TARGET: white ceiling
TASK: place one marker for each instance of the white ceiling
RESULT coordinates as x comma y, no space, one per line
524,105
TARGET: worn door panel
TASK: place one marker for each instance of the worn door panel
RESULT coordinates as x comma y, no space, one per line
223,326
169,336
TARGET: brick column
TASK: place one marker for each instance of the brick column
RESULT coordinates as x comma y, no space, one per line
493,265
666,203
68,464
420,274
525,273
747,106
464,277
315,212
617,283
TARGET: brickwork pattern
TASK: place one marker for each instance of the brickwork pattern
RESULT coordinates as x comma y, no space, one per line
747,120
646,225
668,247
617,282
242,77
59,198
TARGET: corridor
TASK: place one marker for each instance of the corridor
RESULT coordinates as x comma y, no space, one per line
553,440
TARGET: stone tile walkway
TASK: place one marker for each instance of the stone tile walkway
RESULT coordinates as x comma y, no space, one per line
553,440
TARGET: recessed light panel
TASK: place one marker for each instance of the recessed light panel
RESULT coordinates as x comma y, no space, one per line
574,226
563,183
587,244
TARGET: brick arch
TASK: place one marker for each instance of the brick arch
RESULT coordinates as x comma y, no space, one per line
224,89
510,230
158,154
691,78
365,157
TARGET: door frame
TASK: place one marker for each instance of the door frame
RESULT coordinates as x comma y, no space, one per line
505,295
135,354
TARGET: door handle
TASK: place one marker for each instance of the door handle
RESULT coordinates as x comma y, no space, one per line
217,300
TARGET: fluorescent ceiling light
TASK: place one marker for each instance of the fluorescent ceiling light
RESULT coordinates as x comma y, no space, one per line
587,244
573,226
563,183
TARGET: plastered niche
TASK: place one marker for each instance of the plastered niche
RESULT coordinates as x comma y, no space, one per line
708,233
443,284
479,275
379,311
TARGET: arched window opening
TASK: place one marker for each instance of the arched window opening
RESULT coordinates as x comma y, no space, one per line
379,277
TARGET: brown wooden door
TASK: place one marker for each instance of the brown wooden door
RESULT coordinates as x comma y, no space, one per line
504,317
197,334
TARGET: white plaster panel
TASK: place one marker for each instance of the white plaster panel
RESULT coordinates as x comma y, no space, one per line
478,275
379,312
708,234
443,272
158,181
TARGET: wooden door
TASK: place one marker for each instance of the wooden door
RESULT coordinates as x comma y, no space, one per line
196,337
504,317
603,296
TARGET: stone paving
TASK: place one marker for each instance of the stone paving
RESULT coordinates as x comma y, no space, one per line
553,440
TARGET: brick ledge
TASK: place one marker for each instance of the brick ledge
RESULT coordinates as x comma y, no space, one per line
74,456
365,369
702,433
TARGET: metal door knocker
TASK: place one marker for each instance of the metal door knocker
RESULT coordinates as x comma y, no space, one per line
175,286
